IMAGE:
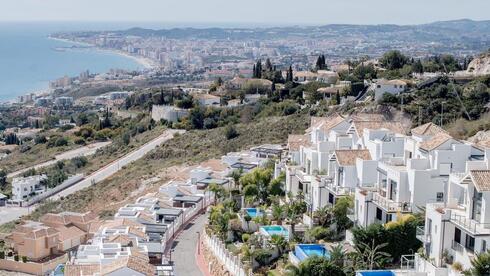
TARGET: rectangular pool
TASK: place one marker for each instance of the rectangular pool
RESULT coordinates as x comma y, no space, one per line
270,230
376,273
253,212
303,251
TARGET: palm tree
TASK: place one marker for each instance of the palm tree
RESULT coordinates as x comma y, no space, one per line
315,266
217,190
372,254
277,213
323,215
337,255
279,242
481,264
236,174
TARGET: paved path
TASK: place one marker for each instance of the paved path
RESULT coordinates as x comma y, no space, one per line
115,166
185,246
83,151
8,214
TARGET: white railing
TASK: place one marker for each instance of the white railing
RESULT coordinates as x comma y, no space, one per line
181,220
232,263
390,205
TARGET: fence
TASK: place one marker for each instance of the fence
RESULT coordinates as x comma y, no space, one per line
33,267
180,221
232,263
67,183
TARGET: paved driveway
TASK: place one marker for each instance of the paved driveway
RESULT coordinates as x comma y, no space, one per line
185,246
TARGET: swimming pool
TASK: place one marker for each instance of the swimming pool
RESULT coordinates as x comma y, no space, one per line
253,212
270,230
303,251
376,273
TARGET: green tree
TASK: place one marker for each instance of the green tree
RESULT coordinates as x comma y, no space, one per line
373,254
480,265
217,190
340,211
393,60
315,266
279,242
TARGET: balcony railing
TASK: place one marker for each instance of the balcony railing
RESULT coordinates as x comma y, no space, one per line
470,225
341,191
391,206
420,234
456,246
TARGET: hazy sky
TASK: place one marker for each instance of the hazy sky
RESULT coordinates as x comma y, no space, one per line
247,11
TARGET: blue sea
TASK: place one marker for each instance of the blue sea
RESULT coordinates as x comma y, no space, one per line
28,59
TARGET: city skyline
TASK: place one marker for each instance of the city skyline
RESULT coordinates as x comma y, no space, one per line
271,12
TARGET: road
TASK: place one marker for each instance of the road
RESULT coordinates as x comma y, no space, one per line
8,214
83,151
185,247
113,167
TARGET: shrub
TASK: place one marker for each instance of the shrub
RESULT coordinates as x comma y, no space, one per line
245,237
24,259
61,141
79,141
457,266
2,254
40,139
231,132
16,258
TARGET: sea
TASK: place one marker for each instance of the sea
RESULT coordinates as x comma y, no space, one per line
29,59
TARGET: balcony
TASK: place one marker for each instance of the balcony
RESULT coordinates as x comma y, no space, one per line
420,234
391,206
351,214
457,247
472,226
340,191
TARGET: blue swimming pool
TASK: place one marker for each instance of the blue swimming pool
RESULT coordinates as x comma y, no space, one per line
303,251
253,212
376,273
270,230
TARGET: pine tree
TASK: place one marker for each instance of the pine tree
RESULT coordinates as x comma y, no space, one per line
259,69
254,73
337,97
268,65
290,74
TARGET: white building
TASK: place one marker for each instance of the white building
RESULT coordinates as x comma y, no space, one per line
458,229
168,113
415,178
207,99
24,187
383,86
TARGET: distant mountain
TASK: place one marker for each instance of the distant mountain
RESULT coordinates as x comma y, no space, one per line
441,29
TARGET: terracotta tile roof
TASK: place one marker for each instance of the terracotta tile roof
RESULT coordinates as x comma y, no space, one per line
325,123
124,240
332,122
296,141
121,222
348,157
70,232
394,126
82,270
483,144
435,141
481,179
132,262
428,129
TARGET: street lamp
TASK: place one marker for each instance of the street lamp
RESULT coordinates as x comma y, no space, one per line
198,243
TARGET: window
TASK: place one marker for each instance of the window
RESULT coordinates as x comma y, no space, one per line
379,214
440,197
483,246
457,235
477,203
470,243
388,217
379,86
330,198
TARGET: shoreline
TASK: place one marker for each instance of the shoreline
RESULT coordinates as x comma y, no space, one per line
147,63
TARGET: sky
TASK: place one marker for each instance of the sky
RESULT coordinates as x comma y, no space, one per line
270,12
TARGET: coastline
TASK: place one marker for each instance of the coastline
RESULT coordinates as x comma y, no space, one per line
147,63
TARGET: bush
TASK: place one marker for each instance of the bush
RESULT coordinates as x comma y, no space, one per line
231,132
16,258
24,259
245,237
2,254
319,233
40,139
79,141
79,161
